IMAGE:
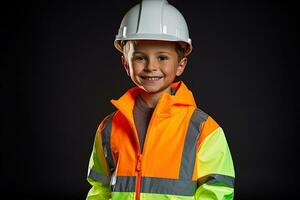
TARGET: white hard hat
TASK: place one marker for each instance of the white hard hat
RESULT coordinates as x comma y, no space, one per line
154,20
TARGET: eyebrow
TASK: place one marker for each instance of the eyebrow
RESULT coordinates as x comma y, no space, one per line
163,52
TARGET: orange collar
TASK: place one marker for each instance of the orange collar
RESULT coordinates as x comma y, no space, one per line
182,97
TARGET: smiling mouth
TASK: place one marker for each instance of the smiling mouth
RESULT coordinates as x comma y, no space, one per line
151,78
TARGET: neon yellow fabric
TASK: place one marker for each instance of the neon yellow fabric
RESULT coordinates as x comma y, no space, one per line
123,195
149,196
97,159
214,158
214,155
98,163
214,192
98,191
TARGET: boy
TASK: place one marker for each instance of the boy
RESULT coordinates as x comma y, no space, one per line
158,144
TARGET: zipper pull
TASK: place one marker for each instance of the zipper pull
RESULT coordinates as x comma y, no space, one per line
139,163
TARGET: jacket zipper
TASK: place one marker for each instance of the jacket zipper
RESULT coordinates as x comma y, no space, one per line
139,177
139,160
138,167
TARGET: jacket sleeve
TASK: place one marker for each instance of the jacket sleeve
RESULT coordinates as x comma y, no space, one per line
214,165
98,170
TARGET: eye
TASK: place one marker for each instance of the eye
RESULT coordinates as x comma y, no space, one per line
162,58
139,58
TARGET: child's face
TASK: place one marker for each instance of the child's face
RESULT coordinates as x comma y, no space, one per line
153,65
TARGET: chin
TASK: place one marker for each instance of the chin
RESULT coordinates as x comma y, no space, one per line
153,90
150,91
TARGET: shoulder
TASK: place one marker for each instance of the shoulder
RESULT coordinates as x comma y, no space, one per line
208,125
106,122
204,118
199,115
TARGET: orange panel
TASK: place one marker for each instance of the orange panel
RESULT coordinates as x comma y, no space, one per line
164,145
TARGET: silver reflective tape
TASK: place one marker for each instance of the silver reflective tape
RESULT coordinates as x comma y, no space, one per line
169,186
156,185
106,135
98,177
190,145
217,179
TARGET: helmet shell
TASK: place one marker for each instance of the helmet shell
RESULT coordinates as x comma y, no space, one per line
154,20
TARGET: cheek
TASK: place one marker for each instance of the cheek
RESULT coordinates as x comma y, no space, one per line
171,69
135,69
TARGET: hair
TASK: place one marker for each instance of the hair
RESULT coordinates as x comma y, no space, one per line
179,47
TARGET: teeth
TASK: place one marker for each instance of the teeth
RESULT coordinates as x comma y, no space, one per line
152,78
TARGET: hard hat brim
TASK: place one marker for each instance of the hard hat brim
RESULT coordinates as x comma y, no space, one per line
158,37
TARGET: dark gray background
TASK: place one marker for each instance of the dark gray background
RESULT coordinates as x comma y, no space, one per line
61,69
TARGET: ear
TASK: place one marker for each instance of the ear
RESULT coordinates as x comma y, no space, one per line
125,64
181,66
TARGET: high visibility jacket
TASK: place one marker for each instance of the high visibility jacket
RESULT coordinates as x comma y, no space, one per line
185,154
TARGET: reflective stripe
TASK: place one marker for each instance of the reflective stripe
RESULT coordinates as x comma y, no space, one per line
169,186
124,184
190,144
217,178
156,185
98,177
106,135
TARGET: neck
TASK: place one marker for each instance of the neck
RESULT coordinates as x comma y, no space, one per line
151,99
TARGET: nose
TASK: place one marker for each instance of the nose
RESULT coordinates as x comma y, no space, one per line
151,65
